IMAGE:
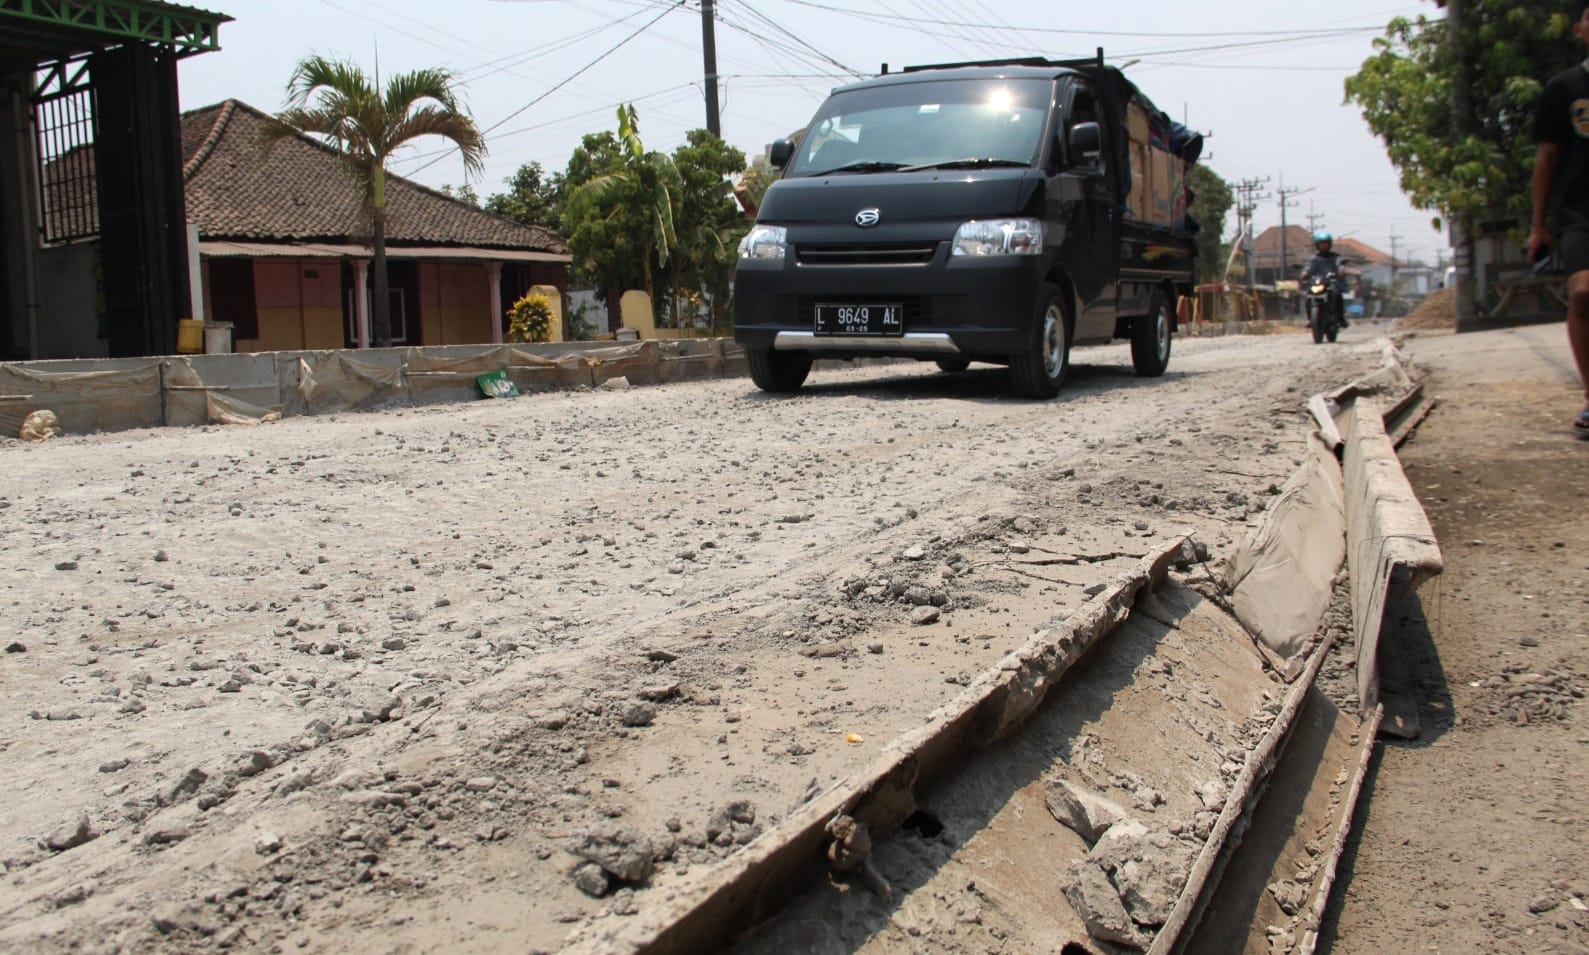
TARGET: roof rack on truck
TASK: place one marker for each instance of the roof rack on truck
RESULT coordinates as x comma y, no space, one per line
1092,62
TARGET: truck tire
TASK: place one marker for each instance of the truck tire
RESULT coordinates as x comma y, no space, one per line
952,365
1038,371
1150,337
777,372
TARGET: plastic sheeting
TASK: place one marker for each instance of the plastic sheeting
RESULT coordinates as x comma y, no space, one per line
329,382
1282,576
222,389
111,395
89,395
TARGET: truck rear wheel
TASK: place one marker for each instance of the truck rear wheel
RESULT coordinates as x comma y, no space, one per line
778,372
1150,338
1038,371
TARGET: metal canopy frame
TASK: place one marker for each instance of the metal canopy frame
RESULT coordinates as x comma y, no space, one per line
78,26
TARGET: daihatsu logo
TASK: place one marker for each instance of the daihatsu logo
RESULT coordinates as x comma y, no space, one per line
867,218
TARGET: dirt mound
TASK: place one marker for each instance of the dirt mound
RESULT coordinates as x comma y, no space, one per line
1438,310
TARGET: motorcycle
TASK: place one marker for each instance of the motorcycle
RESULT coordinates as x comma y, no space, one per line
1326,310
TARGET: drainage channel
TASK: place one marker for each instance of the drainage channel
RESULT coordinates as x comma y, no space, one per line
1163,771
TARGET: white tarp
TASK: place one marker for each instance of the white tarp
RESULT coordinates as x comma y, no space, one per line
328,382
89,395
222,389
116,394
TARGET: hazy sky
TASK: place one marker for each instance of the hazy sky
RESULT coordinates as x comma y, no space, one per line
1264,78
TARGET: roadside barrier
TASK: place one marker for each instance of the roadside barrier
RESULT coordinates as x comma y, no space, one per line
90,395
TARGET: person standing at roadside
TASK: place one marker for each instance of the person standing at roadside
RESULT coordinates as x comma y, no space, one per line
1561,199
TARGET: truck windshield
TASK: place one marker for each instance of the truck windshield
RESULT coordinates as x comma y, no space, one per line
934,124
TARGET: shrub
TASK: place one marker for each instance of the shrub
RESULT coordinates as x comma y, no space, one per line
530,319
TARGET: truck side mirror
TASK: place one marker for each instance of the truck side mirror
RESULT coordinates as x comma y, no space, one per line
780,152
1086,141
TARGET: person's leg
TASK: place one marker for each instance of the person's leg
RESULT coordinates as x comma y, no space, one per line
1571,249
1578,334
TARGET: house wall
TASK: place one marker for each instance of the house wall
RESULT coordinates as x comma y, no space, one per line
297,304
455,304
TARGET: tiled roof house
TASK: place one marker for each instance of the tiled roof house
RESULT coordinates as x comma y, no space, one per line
1298,248
284,253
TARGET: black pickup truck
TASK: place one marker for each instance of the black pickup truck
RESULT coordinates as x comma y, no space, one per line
993,211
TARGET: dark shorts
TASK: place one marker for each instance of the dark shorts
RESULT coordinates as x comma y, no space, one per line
1571,247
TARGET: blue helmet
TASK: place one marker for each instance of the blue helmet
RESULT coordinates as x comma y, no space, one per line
1321,237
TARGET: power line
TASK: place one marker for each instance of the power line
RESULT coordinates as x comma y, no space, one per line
573,76
1283,34
781,29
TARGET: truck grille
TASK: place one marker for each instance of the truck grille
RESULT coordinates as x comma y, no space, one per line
862,255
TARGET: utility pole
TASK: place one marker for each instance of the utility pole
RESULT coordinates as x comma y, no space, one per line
709,55
1393,239
1246,204
1315,219
1461,124
1286,203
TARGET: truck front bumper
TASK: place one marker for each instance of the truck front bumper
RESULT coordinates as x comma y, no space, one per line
953,306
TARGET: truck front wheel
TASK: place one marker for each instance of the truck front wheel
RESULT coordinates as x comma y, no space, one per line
778,372
1150,338
1038,371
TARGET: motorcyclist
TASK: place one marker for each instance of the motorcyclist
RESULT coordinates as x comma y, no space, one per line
1326,263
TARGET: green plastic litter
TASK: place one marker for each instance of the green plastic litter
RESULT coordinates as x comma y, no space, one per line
497,384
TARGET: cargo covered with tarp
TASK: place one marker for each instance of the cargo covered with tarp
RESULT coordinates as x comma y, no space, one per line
1159,152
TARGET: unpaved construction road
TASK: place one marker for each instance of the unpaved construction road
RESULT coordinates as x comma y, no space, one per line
397,681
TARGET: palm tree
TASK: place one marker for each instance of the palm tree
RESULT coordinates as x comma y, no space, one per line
367,124
649,174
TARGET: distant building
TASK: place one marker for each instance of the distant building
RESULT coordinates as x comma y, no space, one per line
284,256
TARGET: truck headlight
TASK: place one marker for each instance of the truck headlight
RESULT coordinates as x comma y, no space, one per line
998,237
764,242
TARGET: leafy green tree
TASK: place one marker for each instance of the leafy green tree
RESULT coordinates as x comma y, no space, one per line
336,101
605,248
1211,202
707,223
533,197
616,185
1505,52
463,193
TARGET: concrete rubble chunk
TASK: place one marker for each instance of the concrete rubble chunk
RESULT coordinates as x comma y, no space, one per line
1082,811
1098,905
70,835
1149,867
1290,896
639,714
188,785
591,879
623,853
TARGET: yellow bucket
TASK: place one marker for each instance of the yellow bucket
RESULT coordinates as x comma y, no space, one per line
190,336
